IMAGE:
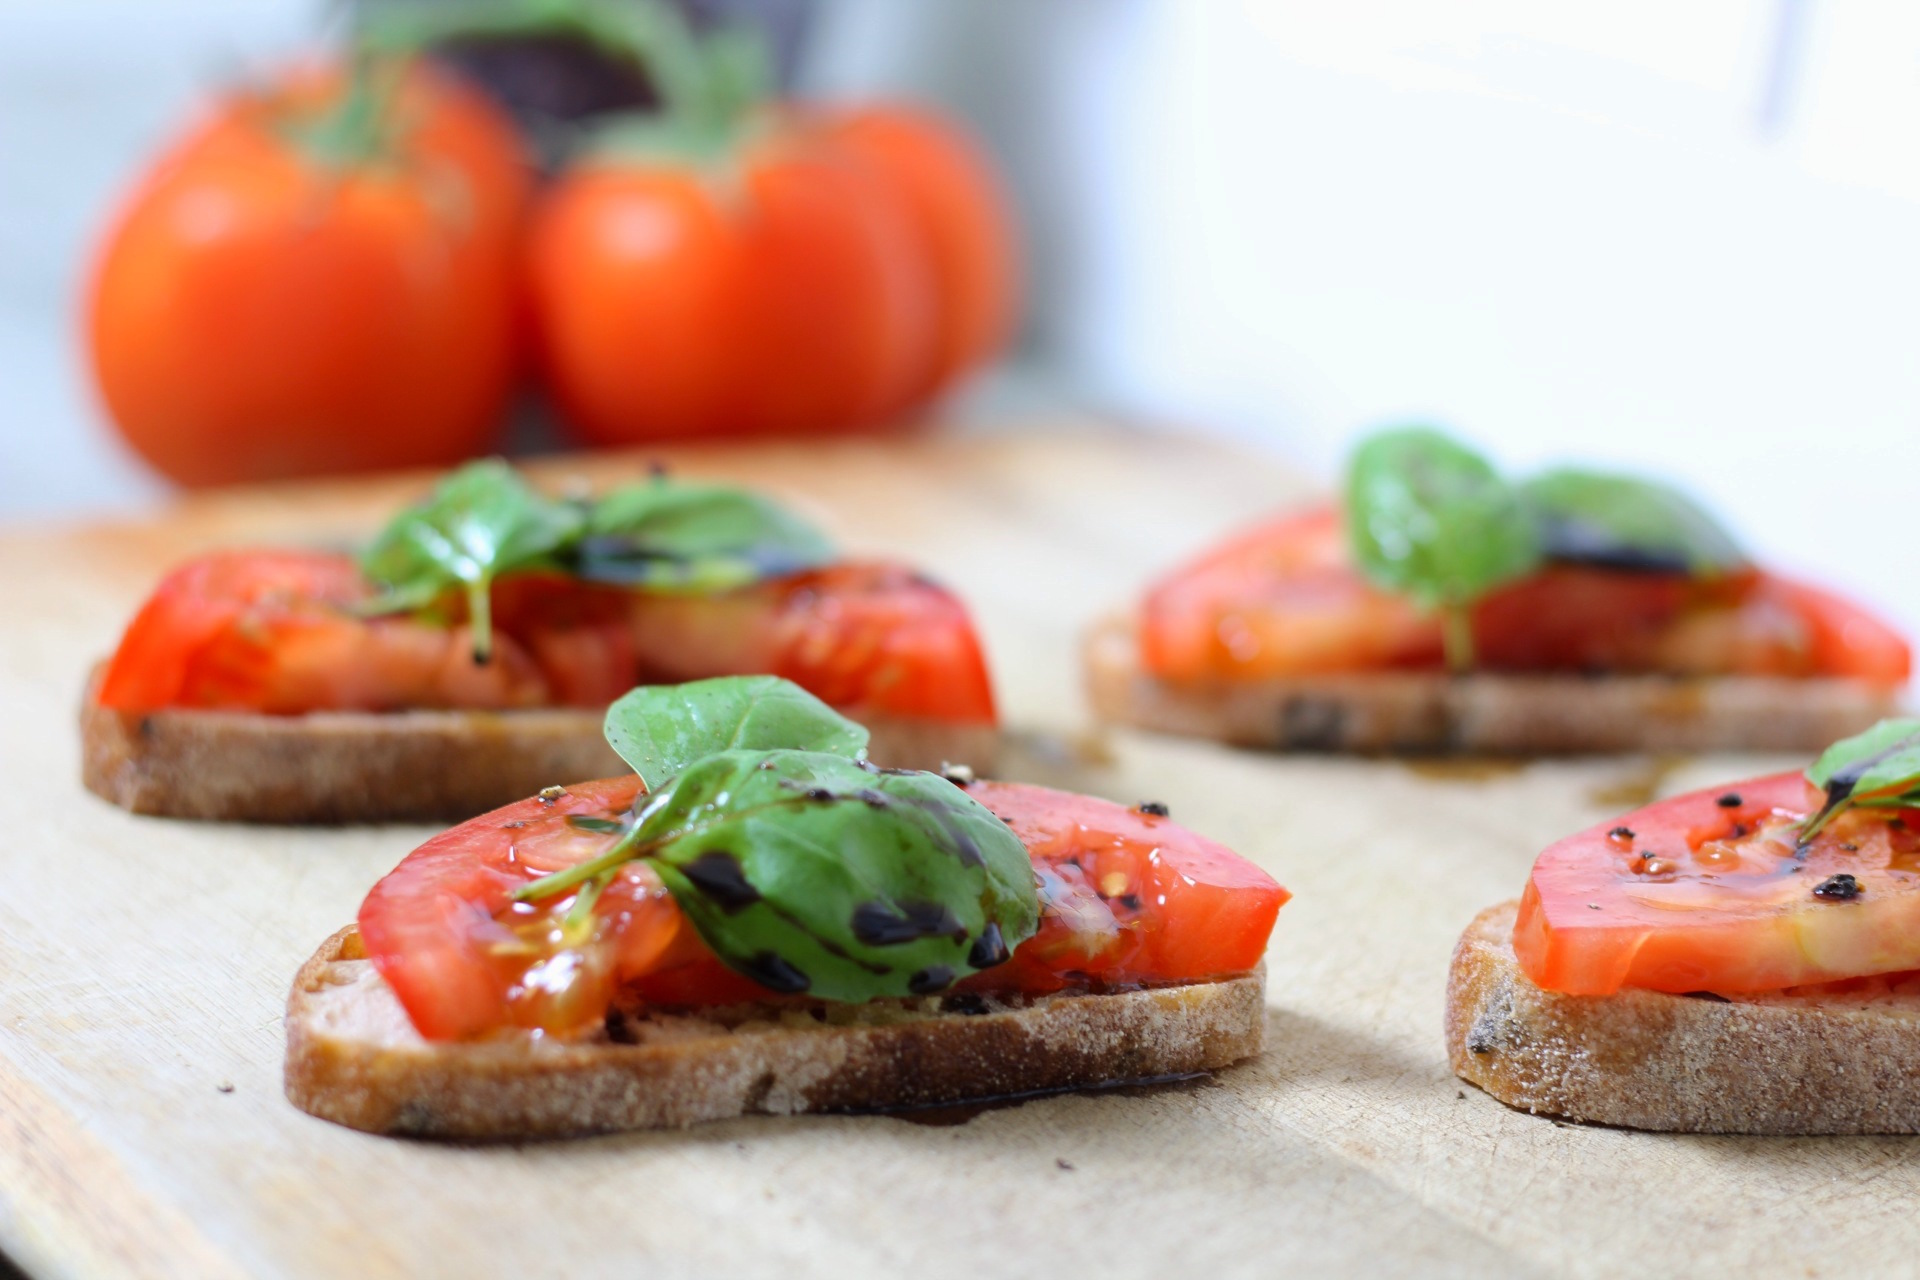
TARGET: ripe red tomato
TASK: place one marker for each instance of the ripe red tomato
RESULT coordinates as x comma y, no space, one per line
260,310
1284,599
1711,892
277,632
1130,899
826,274
965,231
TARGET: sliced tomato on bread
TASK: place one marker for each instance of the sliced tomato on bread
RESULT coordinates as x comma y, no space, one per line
280,633
1284,599
1712,891
1128,899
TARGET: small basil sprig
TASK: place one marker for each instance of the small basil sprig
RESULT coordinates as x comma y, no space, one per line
1876,769
480,522
483,521
809,870
1625,522
661,729
666,536
1431,518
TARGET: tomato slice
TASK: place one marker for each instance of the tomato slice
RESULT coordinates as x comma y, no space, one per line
1708,892
1285,600
464,959
1129,899
883,638
1846,639
277,632
215,595
1280,600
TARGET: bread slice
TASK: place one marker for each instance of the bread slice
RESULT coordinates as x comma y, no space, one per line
1843,1058
393,766
1418,712
354,1058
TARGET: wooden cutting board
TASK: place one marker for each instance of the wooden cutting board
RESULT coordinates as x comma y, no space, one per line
143,965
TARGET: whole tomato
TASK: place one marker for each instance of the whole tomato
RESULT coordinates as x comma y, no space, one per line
320,278
750,270
786,294
961,219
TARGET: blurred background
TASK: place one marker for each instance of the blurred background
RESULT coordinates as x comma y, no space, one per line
1676,237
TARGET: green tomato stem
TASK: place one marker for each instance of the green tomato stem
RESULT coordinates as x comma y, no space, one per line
358,129
1456,636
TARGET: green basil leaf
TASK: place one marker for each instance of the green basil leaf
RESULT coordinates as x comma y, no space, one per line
1624,522
814,873
667,536
661,729
480,522
1432,519
1883,758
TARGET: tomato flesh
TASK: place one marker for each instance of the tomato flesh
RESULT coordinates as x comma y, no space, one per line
277,632
1284,599
1712,896
1128,899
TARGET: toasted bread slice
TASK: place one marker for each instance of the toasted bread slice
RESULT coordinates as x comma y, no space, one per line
394,766
1417,712
354,1058
1843,1058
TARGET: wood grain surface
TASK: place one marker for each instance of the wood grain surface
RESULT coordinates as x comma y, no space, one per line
143,965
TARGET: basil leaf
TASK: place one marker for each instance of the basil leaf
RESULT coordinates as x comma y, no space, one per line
666,536
813,873
1883,758
480,522
661,729
1624,522
1432,519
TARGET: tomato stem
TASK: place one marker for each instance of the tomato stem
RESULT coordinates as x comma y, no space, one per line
358,128
709,83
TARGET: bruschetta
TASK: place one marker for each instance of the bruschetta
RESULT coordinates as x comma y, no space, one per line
468,657
762,921
1443,608
1742,959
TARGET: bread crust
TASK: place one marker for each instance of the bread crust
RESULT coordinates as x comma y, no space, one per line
393,766
353,1057
1419,712
1808,1061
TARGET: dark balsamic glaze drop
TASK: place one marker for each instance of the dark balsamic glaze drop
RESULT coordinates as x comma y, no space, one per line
1840,888
719,876
989,949
934,978
881,924
775,973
